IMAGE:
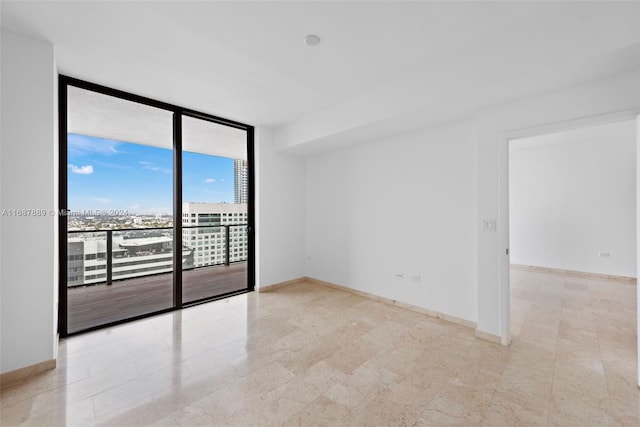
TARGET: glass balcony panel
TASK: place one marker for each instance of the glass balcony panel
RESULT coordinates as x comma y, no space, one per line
138,253
137,281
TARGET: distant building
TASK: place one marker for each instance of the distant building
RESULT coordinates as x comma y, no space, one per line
205,230
240,181
150,251
132,256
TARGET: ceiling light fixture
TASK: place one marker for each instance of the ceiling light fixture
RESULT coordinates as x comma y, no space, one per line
311,40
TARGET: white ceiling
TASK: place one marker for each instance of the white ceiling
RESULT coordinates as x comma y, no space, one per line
383,67
617,131
95,114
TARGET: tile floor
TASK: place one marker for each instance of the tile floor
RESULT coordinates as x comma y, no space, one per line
311,355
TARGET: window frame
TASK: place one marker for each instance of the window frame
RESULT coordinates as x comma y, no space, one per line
178,112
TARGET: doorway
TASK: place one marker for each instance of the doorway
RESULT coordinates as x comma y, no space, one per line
571,212
574,201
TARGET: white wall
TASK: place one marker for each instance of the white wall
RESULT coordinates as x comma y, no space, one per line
572,196
28,156
413,204
548,112
279,213
403,205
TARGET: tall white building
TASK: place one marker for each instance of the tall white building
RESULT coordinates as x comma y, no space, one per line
240,180
205,229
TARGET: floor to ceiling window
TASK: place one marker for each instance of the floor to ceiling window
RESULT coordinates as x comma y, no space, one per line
214,208
157,204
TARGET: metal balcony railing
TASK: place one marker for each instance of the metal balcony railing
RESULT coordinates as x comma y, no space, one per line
104,255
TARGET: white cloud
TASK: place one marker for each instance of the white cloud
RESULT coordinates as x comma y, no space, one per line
110,165
158,169
82,170
135,207
152,167
209,180
81,145
102,200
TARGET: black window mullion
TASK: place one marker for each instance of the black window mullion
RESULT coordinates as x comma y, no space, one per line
177,209
63,237
250,211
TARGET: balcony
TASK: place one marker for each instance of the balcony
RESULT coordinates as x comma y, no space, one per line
115,275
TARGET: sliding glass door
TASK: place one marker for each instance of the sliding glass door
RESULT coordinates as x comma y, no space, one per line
214,209
156,206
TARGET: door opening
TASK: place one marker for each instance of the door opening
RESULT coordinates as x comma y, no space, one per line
572,230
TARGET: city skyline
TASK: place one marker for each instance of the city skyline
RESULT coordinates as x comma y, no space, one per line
108,174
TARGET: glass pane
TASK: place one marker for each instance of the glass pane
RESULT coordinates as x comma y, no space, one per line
120,201
214,211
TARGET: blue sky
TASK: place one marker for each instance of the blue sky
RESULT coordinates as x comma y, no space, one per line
107,174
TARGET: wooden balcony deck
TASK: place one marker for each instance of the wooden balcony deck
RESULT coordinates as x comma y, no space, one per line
95,305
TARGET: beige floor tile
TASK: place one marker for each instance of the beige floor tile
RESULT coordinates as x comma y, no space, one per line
312,355
507,409
323,412
567,411
445,412
379,409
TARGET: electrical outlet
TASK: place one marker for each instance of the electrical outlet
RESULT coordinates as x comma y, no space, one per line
604,254
488,225
415,278
399,275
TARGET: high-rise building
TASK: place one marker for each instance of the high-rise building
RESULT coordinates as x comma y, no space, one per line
240,180
206,228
